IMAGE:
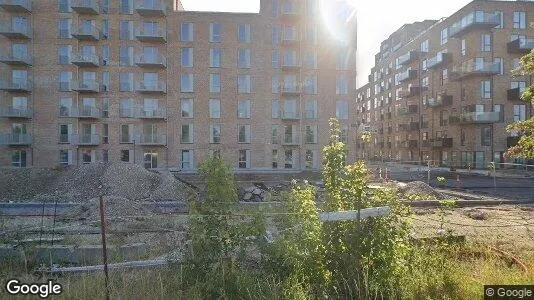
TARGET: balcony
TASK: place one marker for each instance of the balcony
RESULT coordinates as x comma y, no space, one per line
407,75
17,86
514,94
519,46
15,112
16,6
470,68
86,33
410,92
410,110
87,140
472,21
512,141
82,60
86,112
388,145
151,8
290,41
158,113
290,115
17,59
480,117
414,126
85,7
290,89
15,139
290,65
441,143
407,58
89,86
15,32
290,140
439,60
404,127
290,12
152,87
153,140
151,61
152,35
440,100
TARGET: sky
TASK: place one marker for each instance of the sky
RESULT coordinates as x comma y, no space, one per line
377,19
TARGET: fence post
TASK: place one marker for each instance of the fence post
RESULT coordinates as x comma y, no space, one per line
104,248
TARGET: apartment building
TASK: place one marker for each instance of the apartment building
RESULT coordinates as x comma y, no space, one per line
444,91
146,82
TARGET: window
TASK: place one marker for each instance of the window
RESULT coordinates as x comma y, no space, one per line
310,159
243,58
215,32
274,134
515,63
485,137
464,49
126,7
521,85
444,36
310,109
65,79
126,30
310,85
243,109
485,89
289,33
311,134
127,156
215,133
105,29
501,18
105,133
290,109
65,133
275,109
274,159
275,84
290,58
187,32
424,46
186,158
65,107
187,134
499,61
243,84
485,42
310,61
126,82
215,108
64,27
342,87
424,81
64,53
444,76
243,160
344,137
64,6
186,83
243,133
276,34
243,33
519,20
65,157
215,83
126,56
187,57
127,108
342,110
105,107
215,58
289,159
275,57
150,159
519,112
311,34
187,108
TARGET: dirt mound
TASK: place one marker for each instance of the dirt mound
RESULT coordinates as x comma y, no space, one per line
422,189
78,184
115,207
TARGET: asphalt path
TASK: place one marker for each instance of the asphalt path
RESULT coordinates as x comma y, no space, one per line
508,188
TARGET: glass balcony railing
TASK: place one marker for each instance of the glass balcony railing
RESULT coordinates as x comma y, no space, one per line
474,20
16,6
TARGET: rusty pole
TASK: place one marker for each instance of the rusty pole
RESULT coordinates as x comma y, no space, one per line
104,249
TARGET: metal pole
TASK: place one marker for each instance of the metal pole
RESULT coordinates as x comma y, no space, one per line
134,151
428,175
492,164
104,248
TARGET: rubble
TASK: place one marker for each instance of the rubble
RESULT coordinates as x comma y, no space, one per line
420,188
80,183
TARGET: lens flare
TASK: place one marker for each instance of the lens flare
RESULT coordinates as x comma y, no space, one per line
339,16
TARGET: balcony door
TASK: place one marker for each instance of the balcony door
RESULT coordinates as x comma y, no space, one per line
150,79
88,51
20,77
149,133
20,24
150,28
20,104
151,160
150,53
19,129
20,51
88,79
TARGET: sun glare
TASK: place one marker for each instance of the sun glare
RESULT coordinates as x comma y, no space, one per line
339,16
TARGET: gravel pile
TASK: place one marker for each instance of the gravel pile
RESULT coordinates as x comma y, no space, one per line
420,188
78,184
115,207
